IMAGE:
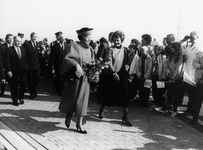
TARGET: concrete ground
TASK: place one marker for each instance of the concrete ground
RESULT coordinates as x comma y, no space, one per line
38,125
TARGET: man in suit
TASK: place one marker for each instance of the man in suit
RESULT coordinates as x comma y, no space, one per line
52,45
58,55
32,49
4,47
58,37
17,68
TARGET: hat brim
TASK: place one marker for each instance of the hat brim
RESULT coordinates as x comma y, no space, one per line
84,33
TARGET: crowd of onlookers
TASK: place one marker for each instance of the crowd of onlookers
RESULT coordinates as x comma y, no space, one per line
167,71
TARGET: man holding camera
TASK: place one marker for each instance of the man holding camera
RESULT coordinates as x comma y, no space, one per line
189,51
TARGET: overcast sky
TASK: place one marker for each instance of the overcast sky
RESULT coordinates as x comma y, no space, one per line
134,17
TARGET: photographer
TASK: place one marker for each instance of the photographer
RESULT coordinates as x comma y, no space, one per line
189,52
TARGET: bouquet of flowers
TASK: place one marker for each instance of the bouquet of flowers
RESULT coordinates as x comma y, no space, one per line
94,69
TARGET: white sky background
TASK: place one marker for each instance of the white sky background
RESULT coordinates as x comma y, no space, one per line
134,17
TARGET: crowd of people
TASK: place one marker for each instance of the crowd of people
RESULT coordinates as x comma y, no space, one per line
168,71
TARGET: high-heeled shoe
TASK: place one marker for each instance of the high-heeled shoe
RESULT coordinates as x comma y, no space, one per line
80,130
68,120
67,123
100,115
126,121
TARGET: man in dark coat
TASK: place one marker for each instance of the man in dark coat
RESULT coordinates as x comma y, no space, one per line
52,45
32,49
4,47
17,68
57,60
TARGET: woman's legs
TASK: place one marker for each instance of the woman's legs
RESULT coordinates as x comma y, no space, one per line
178,92
68,118
101,111
79,121
79,125
125,117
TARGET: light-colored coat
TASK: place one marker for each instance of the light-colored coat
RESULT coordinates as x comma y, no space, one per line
172,68
190,53
76,93
161,60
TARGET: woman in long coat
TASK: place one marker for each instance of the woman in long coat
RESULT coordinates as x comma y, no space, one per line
76,90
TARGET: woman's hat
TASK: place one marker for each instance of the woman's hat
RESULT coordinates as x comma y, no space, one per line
84,31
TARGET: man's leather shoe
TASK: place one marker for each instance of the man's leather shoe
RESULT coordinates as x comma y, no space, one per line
15,103
21,101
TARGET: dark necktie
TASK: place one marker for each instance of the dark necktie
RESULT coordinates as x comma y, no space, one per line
19,52
62,46
34,45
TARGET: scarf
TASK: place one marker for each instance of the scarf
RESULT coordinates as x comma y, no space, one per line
133,64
